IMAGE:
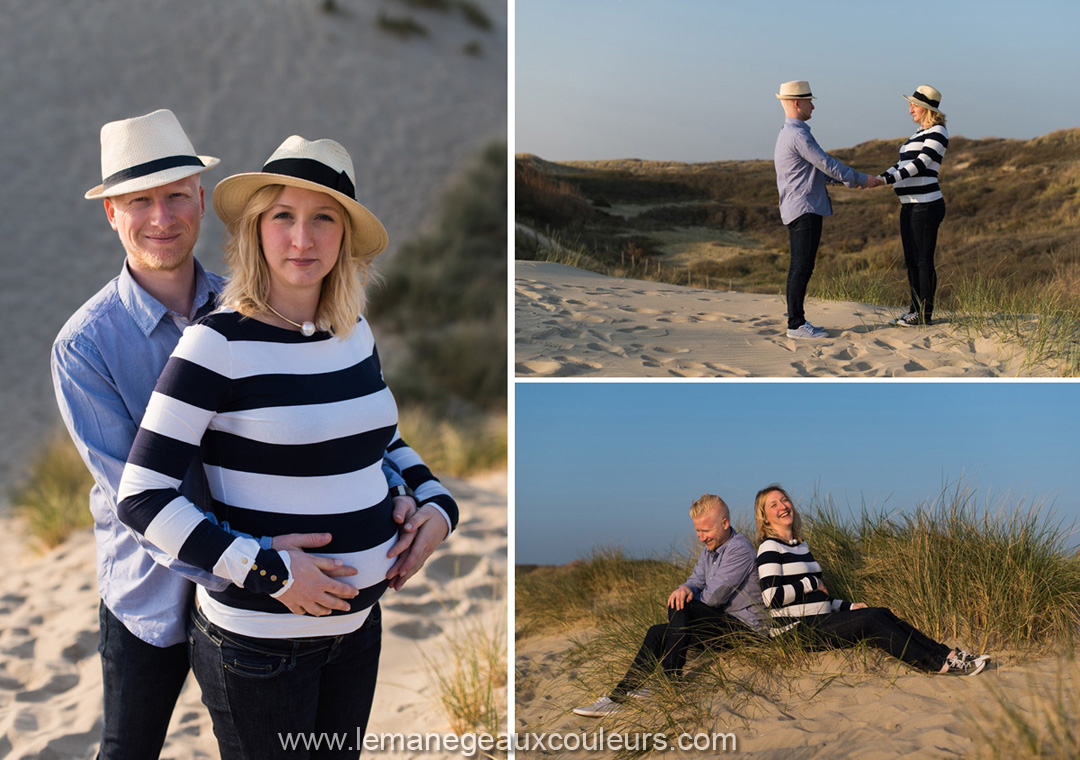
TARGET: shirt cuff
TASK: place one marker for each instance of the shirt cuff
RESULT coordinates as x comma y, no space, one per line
288,568
236,561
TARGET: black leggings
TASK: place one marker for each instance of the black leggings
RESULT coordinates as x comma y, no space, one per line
919,224
880,627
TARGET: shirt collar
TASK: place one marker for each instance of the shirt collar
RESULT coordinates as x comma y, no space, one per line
796,123
146,310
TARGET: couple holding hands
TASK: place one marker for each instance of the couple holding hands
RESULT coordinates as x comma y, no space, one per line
736,593
803,169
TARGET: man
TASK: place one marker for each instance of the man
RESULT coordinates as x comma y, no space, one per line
105,363
802,169
721,597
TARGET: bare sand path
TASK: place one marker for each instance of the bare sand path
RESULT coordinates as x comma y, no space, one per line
573,323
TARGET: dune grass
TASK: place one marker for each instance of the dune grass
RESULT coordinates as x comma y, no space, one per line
470,683
1044,724
54,497
996,577
459,447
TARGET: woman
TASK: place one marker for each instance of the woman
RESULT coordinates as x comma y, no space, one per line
922,207
281,393
794,593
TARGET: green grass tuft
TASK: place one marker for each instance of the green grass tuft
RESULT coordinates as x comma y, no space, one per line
54,500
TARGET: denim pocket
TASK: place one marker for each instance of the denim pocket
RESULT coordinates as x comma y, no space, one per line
251,663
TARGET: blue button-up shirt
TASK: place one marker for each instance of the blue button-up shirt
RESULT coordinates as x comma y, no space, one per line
105,363
728,579
802,169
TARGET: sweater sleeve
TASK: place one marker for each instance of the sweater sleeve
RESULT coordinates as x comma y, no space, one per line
927,161
193,386
777,589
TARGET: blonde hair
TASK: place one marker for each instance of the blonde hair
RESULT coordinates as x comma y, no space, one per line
248,289
706,503
764,530
932,118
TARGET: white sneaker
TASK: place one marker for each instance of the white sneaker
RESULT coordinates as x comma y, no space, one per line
598,709
807,331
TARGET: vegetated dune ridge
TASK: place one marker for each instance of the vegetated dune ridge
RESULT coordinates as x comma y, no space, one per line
1007,253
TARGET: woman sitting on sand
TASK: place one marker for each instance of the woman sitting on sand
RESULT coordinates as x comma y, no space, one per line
281,393
795,595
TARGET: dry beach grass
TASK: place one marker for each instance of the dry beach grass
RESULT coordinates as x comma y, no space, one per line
994,577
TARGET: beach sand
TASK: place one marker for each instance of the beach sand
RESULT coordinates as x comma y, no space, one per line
50,672
573,323
838,711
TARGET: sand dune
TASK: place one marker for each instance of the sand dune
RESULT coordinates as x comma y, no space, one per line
241,76
573,323
837,712
50,672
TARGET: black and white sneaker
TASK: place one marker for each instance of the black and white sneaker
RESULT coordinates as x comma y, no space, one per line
965,664
911,319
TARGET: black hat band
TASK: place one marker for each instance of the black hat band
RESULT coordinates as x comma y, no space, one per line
919,96
312,171
150,167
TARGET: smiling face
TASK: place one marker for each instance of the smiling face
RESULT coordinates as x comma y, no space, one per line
779,514
301,239
158,227
713,529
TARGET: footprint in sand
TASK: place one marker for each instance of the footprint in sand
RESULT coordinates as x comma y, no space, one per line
536,368
450,566
415,630
85,645
424,608
663,350
58,684
23,651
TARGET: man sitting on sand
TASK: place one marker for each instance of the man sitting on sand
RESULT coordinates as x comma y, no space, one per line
721,597
802,169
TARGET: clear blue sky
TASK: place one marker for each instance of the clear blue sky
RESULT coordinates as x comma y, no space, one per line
618,464
693,80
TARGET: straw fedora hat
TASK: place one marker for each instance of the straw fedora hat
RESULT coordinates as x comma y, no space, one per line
144,152
798,89
321,165
925,96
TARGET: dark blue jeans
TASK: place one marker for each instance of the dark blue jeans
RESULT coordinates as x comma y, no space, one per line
880,627
919,224
668,643
804,235
141,684
258,690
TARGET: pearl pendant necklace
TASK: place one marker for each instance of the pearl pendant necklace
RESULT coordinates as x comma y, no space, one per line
307,329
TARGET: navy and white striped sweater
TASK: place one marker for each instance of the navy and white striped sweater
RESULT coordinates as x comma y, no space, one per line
915,176
791,582
292,432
